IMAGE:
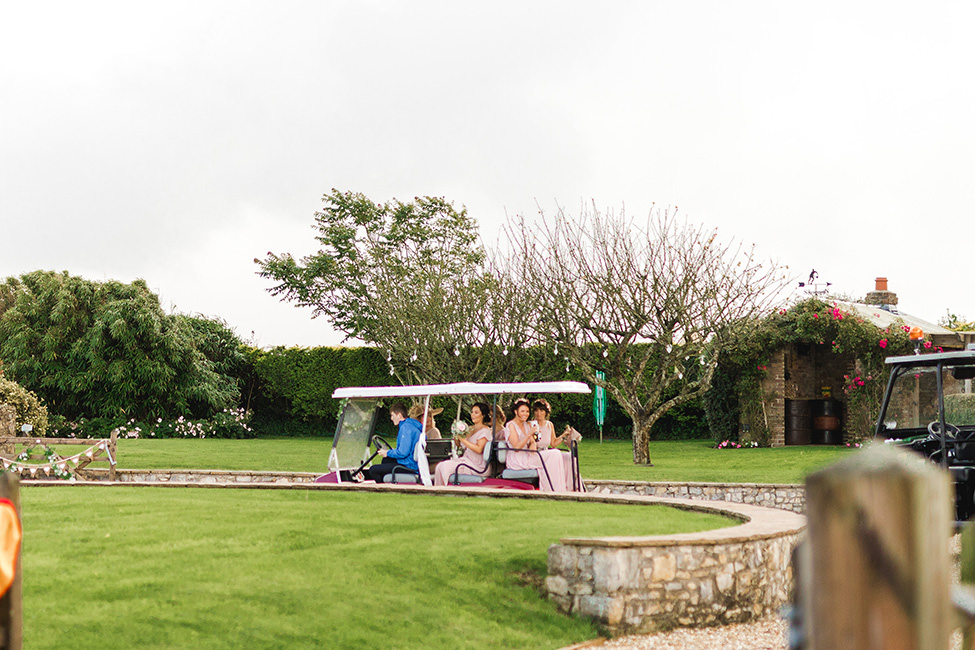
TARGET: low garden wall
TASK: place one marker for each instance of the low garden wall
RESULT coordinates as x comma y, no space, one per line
645,584
783,497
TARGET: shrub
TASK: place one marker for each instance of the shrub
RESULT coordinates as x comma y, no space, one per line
29,408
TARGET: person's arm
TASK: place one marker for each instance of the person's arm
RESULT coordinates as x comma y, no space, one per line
516,439
405,441
556,440
476,447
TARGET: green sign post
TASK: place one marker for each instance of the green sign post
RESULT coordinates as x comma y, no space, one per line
599,404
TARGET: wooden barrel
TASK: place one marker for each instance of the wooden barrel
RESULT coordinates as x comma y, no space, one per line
826,423
798,422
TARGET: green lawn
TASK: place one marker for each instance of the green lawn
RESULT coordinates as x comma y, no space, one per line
124,567
127,567
685,460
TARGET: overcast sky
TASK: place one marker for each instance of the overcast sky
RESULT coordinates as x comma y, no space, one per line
178,141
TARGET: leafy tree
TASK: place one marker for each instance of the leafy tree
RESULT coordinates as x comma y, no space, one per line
108,350
410,279
652,304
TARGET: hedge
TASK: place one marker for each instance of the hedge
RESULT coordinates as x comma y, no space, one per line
290,391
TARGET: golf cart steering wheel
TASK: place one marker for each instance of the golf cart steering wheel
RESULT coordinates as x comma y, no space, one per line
380,443
934,428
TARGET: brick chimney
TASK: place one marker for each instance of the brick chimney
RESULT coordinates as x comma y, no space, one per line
881,297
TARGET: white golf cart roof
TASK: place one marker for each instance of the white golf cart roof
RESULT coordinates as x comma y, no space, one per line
464,388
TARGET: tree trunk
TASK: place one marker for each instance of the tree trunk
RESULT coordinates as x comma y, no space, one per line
641,439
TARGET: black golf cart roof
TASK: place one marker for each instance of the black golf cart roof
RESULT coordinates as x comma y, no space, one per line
957,358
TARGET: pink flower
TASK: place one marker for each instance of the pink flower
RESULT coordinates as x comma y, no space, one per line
927,344
815,315
883,343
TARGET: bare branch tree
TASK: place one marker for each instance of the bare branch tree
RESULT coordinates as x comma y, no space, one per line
651,303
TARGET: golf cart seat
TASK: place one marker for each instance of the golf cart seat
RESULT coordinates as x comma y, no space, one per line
401,475
523,475
489,453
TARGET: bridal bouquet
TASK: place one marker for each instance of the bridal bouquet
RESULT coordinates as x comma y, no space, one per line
458,430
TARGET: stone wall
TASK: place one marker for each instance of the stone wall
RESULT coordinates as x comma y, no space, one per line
638,585
783,497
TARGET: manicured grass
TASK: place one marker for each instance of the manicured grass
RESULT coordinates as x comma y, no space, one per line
127,567
698,460
685,460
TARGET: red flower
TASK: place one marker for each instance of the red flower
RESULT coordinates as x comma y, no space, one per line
883,343
815,315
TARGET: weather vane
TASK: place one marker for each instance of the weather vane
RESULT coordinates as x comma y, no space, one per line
812,287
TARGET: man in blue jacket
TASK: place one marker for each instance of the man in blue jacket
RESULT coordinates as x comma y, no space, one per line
406,439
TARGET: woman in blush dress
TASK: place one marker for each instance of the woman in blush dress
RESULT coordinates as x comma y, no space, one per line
472,462
521,435
547,440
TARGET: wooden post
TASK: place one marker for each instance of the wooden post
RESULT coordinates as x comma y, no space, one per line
11,606
967,561
112,455
879,568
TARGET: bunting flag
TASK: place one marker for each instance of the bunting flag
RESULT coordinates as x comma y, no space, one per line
56,464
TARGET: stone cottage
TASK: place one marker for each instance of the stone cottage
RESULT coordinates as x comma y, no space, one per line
803,400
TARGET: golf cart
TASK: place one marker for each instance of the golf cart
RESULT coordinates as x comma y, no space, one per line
929,407
356,443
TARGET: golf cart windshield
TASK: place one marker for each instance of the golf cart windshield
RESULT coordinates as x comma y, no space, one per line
350,448
913,398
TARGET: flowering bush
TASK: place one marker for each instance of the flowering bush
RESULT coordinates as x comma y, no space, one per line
229,423
731,444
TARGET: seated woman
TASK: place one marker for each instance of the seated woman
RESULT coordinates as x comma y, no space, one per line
472,462
522,436
430,426
547,439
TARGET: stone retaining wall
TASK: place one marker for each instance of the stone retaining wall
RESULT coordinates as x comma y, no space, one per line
783,497
206,476
634,585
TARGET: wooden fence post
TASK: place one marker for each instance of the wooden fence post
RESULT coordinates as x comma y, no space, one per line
967,562
11,610
879,567
112,454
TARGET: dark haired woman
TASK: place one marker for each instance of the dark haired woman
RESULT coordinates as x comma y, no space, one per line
472,462
547,440
524,453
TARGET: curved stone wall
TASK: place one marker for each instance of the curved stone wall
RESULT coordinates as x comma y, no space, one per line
782,496
645,584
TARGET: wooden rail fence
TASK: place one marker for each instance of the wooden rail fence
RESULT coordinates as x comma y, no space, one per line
37,458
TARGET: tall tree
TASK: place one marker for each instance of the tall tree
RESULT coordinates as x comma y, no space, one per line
107,349
652,303
409,278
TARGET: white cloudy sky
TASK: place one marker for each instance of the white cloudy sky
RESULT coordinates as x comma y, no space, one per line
178,141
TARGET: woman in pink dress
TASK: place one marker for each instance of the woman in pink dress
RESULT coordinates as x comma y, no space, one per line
522,435
472,462
547,439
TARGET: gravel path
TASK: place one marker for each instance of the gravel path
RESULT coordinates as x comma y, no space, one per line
766,634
